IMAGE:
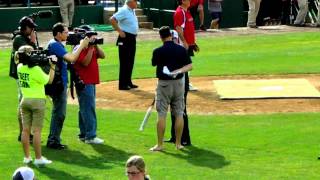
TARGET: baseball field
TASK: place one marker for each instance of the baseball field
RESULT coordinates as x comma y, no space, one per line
231,139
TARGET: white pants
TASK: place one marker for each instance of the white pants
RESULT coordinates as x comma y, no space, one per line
254,6
318,18
303,10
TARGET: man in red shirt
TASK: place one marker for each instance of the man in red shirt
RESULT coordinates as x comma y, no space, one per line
196,6
184,25
87,69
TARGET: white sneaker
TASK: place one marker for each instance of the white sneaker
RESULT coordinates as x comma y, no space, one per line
192,88
42,162
27,160
94,141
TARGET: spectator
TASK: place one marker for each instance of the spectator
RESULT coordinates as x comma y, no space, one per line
136,168
25,36
172,63
196,6
23,173
32,80
318,17
87,68
215,9
302,13
254,6
125,22
66,11
58,89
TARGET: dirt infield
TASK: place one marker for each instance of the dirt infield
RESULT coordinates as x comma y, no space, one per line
205,100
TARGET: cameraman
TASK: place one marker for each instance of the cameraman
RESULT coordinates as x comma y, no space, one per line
87,68
32,80
25,36
58,89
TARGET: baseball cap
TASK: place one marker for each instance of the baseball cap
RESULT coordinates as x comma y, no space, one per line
27,21
23,173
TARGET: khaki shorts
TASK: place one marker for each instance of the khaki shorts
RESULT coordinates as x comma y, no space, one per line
33,111
170,92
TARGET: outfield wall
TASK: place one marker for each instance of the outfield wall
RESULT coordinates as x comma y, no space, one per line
9,17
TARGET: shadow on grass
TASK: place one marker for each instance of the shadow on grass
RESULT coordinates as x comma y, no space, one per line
56,174
105,159
201,157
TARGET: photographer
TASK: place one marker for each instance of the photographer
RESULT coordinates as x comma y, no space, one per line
25,36
86,67
58,89
32,80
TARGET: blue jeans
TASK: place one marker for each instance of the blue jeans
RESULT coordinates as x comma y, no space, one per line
87,112
58,115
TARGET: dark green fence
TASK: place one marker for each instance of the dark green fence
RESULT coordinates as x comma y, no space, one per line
9,17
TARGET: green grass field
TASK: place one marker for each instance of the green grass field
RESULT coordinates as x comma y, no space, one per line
276,146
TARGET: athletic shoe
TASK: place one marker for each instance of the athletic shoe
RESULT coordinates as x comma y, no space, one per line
203,28
57,146
94,141
27,160
41,162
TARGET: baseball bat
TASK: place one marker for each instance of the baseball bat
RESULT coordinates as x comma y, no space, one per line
146,116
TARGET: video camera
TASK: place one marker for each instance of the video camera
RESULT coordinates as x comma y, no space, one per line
35,58
75,37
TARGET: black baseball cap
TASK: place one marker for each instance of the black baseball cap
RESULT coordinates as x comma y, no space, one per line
27,21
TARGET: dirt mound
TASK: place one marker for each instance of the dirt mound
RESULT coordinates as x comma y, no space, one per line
205,100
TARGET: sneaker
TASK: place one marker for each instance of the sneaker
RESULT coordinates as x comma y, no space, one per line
41,162
27,160
192,88
203,28
94,141
57,146
253,26
82,139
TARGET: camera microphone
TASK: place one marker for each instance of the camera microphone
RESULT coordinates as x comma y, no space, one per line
45,14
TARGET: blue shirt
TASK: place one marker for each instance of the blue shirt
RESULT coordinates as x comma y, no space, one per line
57,48
127,20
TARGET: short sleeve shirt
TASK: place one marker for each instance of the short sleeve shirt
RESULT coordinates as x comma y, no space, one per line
90,73
184,19
194,3
32,81
171,55
127,20
57,48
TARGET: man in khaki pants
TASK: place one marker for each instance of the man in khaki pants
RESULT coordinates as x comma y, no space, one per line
318,18
303,11
254,6
66,11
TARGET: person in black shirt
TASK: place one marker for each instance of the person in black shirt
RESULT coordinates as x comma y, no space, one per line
172,62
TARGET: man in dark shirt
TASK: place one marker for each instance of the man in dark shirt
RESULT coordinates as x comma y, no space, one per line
25,36
172,62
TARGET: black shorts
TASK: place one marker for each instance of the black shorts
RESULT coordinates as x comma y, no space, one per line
216,15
